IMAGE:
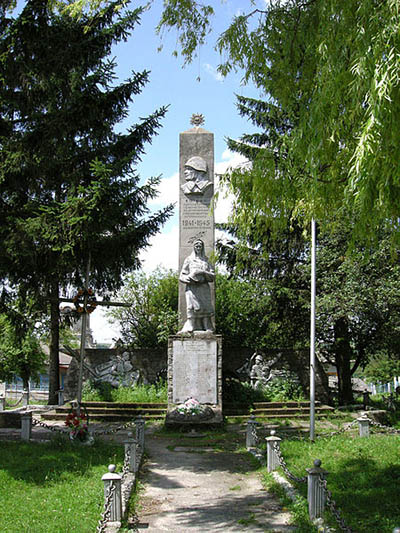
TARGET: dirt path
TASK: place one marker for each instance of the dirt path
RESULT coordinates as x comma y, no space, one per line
196,489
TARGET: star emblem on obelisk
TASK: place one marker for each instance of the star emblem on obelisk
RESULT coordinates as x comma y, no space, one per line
197,119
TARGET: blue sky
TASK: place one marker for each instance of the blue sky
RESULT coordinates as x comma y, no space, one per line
171,84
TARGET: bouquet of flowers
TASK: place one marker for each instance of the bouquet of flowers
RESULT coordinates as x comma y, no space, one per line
190,407
77,424
191,411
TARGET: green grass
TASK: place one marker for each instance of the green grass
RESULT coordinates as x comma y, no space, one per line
141,393
104,392
53,487
364,476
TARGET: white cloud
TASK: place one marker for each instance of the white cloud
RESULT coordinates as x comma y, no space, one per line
163,251
103,331
168,191
230,160
213,72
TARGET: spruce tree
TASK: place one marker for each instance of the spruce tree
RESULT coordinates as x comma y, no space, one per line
69,189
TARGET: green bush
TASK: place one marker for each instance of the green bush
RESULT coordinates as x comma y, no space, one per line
281,390
238,392
278,390
155,393
104,392
97,391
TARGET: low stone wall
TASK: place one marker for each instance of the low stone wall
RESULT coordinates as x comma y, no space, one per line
141,366
148,364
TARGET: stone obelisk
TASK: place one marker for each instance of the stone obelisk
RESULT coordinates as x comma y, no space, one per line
195,353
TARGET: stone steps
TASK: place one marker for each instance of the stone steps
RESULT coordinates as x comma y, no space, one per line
270,405
113,412
123,412
278,410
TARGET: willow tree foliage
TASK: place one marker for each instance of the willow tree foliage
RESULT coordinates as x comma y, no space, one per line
68,181
332,69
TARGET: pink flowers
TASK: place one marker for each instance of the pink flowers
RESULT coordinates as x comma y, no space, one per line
190,407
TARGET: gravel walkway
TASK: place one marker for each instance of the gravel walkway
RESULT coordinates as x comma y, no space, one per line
192,489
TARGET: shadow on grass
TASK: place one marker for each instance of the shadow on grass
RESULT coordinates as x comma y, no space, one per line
369,493
39,463
363,476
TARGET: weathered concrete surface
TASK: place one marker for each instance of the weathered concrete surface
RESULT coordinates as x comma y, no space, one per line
193,489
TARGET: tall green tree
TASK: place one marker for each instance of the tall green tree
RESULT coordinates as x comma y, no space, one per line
152,314
331,69
69,189
21,353
358,312
271,276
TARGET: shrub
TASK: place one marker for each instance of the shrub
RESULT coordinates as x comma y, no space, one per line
97,391
155,393
278,390
283,389
104,392
238,392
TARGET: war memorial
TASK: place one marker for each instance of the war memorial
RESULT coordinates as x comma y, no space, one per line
195,352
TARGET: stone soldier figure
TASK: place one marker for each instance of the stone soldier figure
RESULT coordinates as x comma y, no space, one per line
196,177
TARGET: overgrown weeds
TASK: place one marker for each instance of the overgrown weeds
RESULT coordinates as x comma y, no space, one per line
104,392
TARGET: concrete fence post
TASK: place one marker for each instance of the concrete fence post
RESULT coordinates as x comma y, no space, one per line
25,398
2,403
315,492
363,425
272,458
26,426
60,394
140,421
130,444
113,479
251,433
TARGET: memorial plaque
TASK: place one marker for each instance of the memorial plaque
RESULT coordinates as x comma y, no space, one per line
194,369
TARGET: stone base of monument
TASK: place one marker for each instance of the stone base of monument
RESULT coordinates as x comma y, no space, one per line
194,380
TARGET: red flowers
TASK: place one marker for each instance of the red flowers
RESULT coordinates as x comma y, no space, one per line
77,423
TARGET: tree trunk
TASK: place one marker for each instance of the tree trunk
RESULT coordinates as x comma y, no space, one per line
25,381
54,360
343,354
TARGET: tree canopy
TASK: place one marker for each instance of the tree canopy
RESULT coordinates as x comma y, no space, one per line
68,184
21,331
329,69
153,311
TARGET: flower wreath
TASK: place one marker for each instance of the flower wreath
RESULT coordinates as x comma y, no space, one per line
79,301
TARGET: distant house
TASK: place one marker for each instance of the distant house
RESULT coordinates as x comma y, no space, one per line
39,388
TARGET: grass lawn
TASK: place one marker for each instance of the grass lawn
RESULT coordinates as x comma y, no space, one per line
364,477
57,487
53,487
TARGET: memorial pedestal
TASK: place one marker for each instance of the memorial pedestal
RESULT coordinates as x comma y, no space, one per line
195,371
